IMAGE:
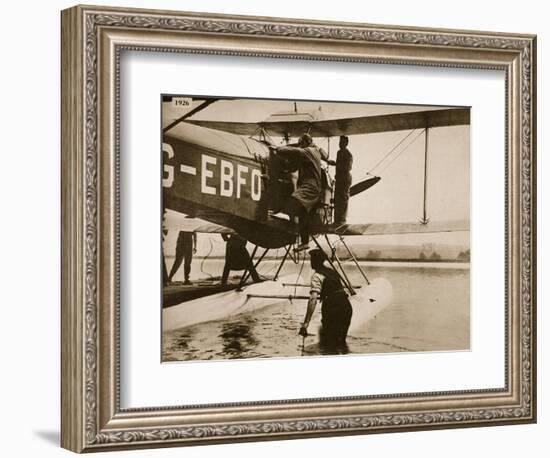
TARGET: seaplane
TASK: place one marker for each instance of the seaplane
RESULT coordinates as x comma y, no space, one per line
221,174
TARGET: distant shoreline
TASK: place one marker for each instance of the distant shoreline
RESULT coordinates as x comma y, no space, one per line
432,261
446,261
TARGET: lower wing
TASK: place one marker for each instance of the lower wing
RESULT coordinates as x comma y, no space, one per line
175,221
403,228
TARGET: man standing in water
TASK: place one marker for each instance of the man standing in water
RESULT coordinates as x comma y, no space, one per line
306,158
344,162
336,309
185,247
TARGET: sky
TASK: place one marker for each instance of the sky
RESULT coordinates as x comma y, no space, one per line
398,196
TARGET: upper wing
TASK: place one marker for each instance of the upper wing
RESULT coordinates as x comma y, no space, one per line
403,228
348,126
239,128
391,122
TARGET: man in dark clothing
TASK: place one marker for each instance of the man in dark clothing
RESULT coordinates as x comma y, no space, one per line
306,158
237,258
336,310
344,163
164,269
185,247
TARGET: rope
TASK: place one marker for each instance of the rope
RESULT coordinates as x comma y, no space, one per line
212,242
267,272
205,257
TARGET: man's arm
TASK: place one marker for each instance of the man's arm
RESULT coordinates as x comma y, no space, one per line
324,157
293,151
312,303
287,150
194,242
316,286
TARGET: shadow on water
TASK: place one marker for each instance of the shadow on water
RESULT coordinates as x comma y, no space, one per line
325,347
237,338
333,348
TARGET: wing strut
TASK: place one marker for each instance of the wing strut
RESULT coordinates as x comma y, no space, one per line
246,273
425,220
354,259
344,275
282,262
344,280
202,106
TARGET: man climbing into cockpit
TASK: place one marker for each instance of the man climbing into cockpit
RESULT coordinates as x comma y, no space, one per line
306,159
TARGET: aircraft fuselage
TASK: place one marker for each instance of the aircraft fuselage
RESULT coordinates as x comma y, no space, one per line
219,178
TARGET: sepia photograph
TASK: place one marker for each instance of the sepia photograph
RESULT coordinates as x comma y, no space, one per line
307,228
296,227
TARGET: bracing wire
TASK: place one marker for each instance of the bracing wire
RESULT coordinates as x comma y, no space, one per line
391,151
401,152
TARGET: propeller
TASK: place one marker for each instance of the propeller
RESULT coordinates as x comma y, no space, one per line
363,186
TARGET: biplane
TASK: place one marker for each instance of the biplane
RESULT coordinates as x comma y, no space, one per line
221,173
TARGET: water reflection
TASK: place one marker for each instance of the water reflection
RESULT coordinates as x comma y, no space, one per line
181,342
237,338
330,347
430,312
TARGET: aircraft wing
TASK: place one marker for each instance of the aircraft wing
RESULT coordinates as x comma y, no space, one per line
391,122
195,225
239,128
348,126
279,128
403,228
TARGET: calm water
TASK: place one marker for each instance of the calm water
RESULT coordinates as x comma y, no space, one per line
430,312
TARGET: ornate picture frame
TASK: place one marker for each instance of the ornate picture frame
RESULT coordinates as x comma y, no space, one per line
93,39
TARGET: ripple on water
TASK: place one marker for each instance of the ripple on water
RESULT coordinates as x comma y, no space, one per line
430,312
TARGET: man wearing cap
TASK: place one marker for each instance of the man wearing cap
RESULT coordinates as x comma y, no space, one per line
306,158
336,310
